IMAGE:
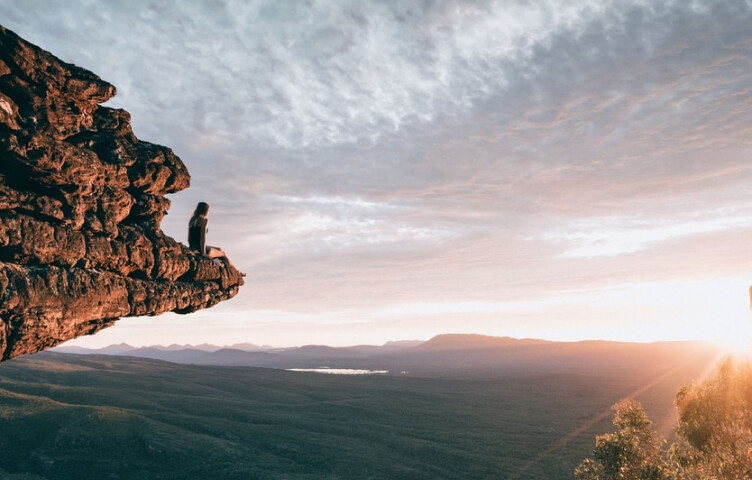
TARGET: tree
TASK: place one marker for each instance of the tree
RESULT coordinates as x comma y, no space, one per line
715,426
633,452
714,431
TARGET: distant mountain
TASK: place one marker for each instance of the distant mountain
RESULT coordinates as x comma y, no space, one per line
117,349
387,347
204,346
454,341
152,350
240,358
403,343
480,353
247,354
182,355
437,356
249,347
321,351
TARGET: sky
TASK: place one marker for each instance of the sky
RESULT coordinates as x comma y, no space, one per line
386,170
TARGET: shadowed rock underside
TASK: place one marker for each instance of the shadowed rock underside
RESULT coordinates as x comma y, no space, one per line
81,201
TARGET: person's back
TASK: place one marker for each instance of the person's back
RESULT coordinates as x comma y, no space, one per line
197,234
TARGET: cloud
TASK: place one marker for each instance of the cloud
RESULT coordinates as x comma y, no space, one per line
324,73
613,236
513,89
339,224
362,154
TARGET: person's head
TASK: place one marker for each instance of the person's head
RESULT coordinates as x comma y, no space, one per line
202,209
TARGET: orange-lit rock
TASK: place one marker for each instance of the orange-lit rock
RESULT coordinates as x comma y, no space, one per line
81,201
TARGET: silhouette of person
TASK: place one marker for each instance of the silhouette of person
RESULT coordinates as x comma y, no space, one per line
197,228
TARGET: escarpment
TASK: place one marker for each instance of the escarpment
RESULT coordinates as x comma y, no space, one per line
81,201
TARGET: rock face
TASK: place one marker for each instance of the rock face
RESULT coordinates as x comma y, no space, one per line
81,201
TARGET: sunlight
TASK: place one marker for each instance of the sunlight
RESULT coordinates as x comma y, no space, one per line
717,311
721,314
734,330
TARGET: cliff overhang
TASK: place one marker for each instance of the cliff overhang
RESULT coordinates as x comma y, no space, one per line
81,202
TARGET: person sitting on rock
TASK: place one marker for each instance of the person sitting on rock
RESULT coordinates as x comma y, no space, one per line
197,229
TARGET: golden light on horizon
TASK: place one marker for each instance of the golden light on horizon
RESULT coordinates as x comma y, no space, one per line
728,316
735,330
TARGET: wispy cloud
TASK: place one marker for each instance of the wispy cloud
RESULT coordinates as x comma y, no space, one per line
335,224
323,73
613,236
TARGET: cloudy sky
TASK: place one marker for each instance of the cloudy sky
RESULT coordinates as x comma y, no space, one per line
393,169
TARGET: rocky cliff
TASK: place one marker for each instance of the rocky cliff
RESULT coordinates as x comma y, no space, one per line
81,200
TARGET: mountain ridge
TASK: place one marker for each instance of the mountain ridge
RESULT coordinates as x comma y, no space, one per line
447,351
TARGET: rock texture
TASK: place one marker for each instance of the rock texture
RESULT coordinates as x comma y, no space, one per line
81,200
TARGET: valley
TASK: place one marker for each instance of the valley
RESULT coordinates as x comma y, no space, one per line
515,410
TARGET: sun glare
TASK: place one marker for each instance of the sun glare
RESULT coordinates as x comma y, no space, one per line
738,342
732,329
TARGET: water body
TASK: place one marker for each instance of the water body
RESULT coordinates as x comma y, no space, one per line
339,371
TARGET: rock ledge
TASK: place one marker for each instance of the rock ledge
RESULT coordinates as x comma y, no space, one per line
81,201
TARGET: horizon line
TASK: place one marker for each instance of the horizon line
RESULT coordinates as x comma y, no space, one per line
387,343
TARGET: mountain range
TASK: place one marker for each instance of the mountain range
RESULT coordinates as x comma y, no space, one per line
448,352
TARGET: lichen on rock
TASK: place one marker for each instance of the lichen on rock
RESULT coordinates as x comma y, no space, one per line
81,201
